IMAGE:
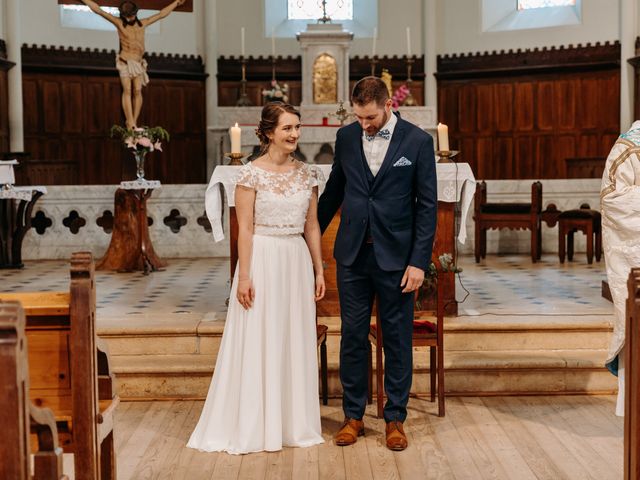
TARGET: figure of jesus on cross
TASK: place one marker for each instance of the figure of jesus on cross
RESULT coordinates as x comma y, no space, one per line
129,61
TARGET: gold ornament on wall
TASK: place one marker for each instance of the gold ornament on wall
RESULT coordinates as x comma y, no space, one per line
325,79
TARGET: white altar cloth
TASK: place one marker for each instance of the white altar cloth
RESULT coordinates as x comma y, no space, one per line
21,193
456,183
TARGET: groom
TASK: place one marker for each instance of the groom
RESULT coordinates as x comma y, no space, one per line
384,177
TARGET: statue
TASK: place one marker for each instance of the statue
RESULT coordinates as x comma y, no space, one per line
129,61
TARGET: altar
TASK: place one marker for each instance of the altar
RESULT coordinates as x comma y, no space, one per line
456,186
318,131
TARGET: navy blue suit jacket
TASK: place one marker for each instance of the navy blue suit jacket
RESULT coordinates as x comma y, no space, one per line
398,206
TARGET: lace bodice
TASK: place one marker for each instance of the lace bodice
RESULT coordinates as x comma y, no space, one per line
282,199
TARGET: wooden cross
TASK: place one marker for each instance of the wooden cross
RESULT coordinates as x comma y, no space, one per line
187,6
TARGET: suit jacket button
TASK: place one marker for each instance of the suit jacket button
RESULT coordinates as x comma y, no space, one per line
364,221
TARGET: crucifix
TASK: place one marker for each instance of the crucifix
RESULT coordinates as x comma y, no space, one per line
325,18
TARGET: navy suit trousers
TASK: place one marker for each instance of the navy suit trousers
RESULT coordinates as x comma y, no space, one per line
358,285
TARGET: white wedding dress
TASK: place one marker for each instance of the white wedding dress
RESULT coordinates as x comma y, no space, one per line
264,391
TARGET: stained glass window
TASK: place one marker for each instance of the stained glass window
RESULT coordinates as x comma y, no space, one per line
528,4
312,9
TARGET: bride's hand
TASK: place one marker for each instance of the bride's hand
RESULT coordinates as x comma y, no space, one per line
245,293
320,287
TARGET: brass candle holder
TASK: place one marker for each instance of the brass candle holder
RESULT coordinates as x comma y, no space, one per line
273,68
243,101
445,156
409,101
235,158
373,62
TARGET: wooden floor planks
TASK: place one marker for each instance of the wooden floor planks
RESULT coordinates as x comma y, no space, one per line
573,437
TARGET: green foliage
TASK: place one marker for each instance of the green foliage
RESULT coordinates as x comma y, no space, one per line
430,282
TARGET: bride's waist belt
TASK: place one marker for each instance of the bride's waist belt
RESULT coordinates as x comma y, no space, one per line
278,230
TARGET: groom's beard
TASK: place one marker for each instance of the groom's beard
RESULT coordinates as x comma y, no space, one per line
385,119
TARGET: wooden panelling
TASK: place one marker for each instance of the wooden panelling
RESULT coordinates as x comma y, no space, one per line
517,128
289,70
69,111
5,65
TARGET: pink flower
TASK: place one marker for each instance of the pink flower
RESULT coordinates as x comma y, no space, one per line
145,142
129,142
157,146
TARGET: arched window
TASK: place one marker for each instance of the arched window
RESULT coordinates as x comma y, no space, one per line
312,9
285,18
79,16
528,4
510,15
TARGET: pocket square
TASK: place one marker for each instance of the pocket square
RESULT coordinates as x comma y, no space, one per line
403,162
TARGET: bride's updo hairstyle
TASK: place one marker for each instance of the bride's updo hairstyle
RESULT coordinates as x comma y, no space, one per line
269,121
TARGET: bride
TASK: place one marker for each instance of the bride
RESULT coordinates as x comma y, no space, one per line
264,391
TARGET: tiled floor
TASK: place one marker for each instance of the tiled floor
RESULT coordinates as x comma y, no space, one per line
498,285
185,286
511,284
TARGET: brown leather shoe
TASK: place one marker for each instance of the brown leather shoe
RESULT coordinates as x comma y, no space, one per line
396,439
349,432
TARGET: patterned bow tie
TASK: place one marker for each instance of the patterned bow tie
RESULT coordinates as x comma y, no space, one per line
386,134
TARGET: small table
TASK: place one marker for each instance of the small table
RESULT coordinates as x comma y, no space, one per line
130,248
588,222
16,205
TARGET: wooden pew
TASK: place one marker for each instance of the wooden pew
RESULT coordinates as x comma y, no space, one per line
632,379
17,415
69,369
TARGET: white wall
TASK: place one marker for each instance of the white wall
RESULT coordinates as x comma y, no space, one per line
179,33
460,28
2,29
393,18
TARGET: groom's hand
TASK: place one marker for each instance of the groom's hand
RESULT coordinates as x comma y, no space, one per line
412,279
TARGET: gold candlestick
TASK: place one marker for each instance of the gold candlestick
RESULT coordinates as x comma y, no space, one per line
445,156
236,158
409,101
273,68
373,62
243,101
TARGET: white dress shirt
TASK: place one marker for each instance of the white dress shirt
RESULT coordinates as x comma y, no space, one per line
376,149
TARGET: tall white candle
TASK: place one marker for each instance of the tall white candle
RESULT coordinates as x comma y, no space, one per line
443,137
273,43
235,133
375,40
242,41
408,41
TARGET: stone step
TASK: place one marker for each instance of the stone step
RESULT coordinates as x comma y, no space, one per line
466,373
481,333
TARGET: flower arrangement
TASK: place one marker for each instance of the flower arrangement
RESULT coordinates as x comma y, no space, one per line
447,264
141,139
399,96
277,93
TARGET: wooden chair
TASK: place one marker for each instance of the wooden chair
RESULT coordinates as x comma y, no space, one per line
632,379
69,369
17,415
489,216
425,334
324,370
